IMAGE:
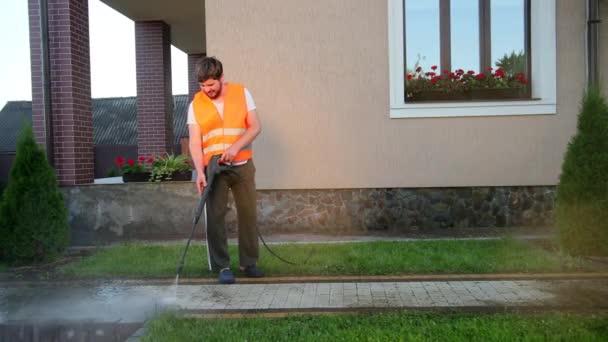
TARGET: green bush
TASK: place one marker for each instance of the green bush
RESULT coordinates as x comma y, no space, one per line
581,212
33,217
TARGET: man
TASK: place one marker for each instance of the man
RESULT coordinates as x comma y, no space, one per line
222,120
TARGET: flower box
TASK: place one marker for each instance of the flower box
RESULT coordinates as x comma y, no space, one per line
439,95
458,85
136,177
180,176
495,93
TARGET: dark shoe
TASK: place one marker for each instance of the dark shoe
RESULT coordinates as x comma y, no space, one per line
252,271
226,276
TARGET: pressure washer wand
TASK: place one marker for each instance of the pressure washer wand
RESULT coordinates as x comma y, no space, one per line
212,170
197,216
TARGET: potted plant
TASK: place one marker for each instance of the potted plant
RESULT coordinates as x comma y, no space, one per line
133,170
169,167
458,85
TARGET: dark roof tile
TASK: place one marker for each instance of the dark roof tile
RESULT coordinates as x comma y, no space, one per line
114,121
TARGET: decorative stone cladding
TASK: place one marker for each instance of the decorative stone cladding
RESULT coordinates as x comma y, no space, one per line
348,210
101,214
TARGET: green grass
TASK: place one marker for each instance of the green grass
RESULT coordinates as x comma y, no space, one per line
368,258
386,327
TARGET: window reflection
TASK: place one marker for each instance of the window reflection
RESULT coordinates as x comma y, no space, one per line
421,34
508,49
464,16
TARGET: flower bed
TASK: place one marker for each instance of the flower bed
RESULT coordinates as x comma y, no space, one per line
165,167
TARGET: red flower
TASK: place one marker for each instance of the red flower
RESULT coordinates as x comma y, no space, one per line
418,69
131,162
119,160
490,69
141,159
453,75
499,73
471,72
459,71
434,80
187,162
480,76
409,76
151,160
520,75
434,67
523,81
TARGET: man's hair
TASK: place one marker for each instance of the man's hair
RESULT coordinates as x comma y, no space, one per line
209,68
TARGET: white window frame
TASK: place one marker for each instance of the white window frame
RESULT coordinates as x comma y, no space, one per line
543,80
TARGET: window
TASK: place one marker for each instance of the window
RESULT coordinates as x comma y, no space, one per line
471,57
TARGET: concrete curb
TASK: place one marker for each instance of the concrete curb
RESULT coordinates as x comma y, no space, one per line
324,279
283,313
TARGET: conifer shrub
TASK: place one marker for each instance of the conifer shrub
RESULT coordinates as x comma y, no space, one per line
33,217
581,210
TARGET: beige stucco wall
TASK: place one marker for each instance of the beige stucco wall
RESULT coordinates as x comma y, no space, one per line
318,71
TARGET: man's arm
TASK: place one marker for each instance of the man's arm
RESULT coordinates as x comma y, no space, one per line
253,129
196,152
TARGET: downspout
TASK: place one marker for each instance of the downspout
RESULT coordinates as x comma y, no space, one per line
46,80
593,28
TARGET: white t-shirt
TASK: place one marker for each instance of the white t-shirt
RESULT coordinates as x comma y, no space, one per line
220,107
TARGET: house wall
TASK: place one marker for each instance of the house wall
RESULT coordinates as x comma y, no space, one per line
318,71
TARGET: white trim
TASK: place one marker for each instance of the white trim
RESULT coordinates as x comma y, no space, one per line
544,72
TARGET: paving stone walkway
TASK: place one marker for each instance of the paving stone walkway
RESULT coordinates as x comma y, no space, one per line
129,302
428,294
106,310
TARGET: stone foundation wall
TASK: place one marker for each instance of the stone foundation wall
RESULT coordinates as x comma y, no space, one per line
410,209
147,211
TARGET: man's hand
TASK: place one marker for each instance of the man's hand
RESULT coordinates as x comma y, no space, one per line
229,154
201,182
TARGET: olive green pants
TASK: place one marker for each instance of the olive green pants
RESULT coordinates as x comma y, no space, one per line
242,184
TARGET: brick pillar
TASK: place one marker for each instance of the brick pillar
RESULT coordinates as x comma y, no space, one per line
154,94
193,86
70,71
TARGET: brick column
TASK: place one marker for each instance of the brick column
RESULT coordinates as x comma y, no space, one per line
154,94
68,31
193,86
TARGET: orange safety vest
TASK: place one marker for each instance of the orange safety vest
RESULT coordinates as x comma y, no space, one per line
217,134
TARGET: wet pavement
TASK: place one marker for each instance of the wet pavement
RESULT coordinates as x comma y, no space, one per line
115,310
126,302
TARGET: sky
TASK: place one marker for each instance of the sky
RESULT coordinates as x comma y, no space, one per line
112,44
